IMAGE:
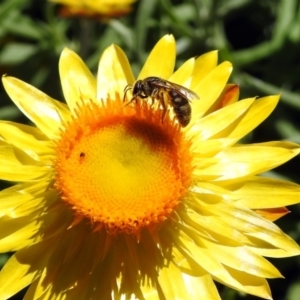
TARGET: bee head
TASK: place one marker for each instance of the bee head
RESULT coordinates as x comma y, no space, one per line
137,88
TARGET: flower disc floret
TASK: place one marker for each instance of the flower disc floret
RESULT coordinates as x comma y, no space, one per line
122,169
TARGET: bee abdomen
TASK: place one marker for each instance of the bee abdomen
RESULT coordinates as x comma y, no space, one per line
183,113
181,108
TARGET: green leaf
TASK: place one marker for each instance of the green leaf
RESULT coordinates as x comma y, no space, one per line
15,53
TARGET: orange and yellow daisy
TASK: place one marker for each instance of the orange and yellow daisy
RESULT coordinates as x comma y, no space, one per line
114,202
95,8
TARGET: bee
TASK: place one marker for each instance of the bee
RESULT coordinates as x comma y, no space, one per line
165,92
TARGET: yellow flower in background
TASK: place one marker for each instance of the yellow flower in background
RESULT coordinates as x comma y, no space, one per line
94,8
113,202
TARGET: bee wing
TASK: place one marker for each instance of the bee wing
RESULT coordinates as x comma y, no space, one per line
183,91
188,93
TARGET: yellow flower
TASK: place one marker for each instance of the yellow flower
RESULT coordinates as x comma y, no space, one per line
115,201
95,8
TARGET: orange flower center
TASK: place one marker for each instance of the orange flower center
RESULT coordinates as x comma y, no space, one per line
121,166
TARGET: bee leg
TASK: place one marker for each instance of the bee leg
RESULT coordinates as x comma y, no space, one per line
133,99
153,96
152,101
163,114
164,107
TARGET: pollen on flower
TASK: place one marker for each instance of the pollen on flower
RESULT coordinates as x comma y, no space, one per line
121,167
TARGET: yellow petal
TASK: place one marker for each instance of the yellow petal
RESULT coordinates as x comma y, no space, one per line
209,263
245,160
28,138
16,195
209,226
204,64
17,233
30,207
177,285
15,276
255,226
201,287
114,73
209,94
44,111
265,233
248,283
23,209
12,197
172,283
275,252
161,60
183,74
259,111
229,96
78,83
210,148
252,192
37,289
18,166
244,282
219,123
242,259
149,292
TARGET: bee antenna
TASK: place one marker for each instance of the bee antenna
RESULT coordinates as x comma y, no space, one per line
127,88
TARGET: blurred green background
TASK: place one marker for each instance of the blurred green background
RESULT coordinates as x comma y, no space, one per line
260,38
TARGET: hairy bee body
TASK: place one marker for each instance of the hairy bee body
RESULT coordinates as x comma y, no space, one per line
182,108
167,93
